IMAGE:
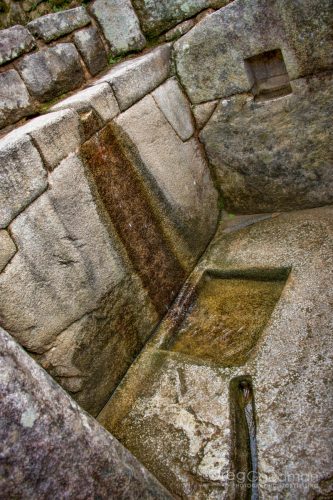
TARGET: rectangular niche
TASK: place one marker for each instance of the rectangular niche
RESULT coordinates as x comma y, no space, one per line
268,75
227,315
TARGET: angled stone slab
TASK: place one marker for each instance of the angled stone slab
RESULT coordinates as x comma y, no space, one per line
202,112
53,26
14,42
100,97
23,177
52,72
7,249
133,79
91,48
119,24
15,101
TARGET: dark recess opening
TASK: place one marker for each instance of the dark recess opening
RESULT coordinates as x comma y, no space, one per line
268,75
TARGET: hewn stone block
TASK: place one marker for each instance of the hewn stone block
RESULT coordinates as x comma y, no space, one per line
14,42
22,176
53,26
15,101
100,98
175,106
120,25
52,72
91,48
202,112
7,249
133,79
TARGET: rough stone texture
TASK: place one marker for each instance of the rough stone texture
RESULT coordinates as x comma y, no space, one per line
100,98
135,78
53,26
91,48
210,58
15,101
175,106
52,72
51,448
178,30
7,249
178,173
55,134
22,176
120,25
14,42
173,410
66,261
202,112
156,16
276,154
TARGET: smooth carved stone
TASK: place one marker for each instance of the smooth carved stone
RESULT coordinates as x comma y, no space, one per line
22,177
14,42
276,154
44,434
179,170
135,78
66,260
15,101
52,72
176,108
53,26
156,16
100,98
91,48
120,25
202,112
55,134
210,58
7,249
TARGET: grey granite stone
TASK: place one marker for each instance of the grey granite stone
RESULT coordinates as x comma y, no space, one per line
15,101
119,24
7,248
14,42
133,79
178,31
50,448
91,48
22,176
52,72
53,26
202,112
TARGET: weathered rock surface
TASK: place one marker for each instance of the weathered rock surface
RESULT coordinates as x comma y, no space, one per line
66,260
53,26
100,98
171,405
22,175
202,112
15,101
51,448
175,107
156,16
210,58
120,25
133,79
7,249
179,174
52,72
276,154
14,42
91,48
178,30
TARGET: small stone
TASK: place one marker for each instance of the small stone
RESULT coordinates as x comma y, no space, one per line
91,48
100,98
14,42
175,106
202,112
120,25
7,249
52,72
15,101
53,26
22,176
133,79
178,30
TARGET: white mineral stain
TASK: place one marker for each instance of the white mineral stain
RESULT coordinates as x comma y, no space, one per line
28,417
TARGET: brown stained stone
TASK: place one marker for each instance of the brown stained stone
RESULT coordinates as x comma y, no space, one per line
127,202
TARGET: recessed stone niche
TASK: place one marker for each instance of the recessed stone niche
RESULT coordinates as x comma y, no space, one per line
268,75
227,316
